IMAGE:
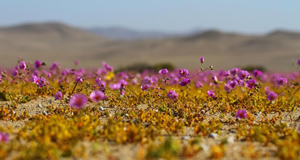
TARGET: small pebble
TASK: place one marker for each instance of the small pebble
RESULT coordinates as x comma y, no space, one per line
230,139
40,106
126,115
101,108
213,135
185,138
204,147
45,113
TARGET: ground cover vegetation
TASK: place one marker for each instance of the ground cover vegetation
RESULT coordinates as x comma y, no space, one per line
49,112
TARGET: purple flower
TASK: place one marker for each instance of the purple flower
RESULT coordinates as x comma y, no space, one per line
115,86
145,87
184,82
234,71
183,72
226,73
281,81
98,80
243,74
41,82
78,101
107,67
241,114
123,83
251,83
101,85
172,94
54,66
199,85
232,84
163,71
257,73
96,96
15,72
76,62
272,96
227,88
298,128
37,64
122,92
211,93
4,137
201,59
298,61
78,79
58,95
267,90
147,80
22,65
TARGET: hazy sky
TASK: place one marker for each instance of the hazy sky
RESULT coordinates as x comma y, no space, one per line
247,16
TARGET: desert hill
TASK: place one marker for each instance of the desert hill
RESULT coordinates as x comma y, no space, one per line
58,42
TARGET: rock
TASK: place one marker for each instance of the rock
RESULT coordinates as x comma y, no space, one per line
101,108
126,115
213,135
184,138
204,147
230,139
45,113
40,106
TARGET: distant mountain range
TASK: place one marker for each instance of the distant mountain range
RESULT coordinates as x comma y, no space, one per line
121,33
51,42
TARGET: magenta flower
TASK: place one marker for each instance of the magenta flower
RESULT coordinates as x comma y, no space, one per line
101,85
241,114
54,66
145,87
163,71
78,101
183,72
98,80
41,82
22,65
298,61
147,80
96,96
122,92
271,96
227,88
122,83
184,82
199,85
267,90
58,95
76,62
115,86
4,137
37,64
257,73
251,83
243,74
234,71
211,93
78,79
232,84
201,59
281,81
298,128
107,67
172,95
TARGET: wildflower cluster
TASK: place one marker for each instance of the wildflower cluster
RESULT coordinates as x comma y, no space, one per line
54,113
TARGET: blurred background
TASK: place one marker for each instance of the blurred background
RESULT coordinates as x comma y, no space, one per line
246,34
